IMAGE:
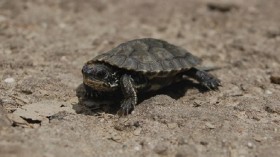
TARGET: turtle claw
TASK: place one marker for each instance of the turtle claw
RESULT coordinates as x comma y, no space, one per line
126,107
205,79
122,113
212,83
129,93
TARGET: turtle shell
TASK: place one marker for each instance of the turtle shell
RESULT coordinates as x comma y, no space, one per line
149,55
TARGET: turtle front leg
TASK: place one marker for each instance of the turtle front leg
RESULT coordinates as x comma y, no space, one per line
206,79
130,96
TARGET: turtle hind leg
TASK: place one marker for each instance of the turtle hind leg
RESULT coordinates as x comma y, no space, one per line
130,96
204,78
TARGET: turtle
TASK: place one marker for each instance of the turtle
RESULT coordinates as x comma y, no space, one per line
139,66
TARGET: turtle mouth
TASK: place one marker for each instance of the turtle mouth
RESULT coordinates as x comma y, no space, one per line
99,85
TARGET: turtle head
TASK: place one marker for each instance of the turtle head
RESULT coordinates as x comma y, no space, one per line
100,77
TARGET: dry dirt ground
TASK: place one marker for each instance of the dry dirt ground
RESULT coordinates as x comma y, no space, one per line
44,44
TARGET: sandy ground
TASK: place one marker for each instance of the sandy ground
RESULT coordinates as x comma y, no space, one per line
44,44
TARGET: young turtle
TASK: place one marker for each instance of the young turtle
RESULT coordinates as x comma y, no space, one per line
141,65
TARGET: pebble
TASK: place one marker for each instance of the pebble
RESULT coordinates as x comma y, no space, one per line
17,120
172,125
137,132
182,141
137,148
116,138
268,92
250,145
258,138
161,149
64,58
210,126
9,80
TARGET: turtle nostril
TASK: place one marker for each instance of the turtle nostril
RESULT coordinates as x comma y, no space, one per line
85,69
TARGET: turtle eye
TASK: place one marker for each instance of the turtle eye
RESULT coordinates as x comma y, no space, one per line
101,74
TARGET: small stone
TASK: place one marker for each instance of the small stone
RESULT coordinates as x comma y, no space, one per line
172,125
209,125
116,138
250,145
256,118
268,92
17,120
137,132
182,141
161,149
63,58
9,80
62,25
258,138
137,148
